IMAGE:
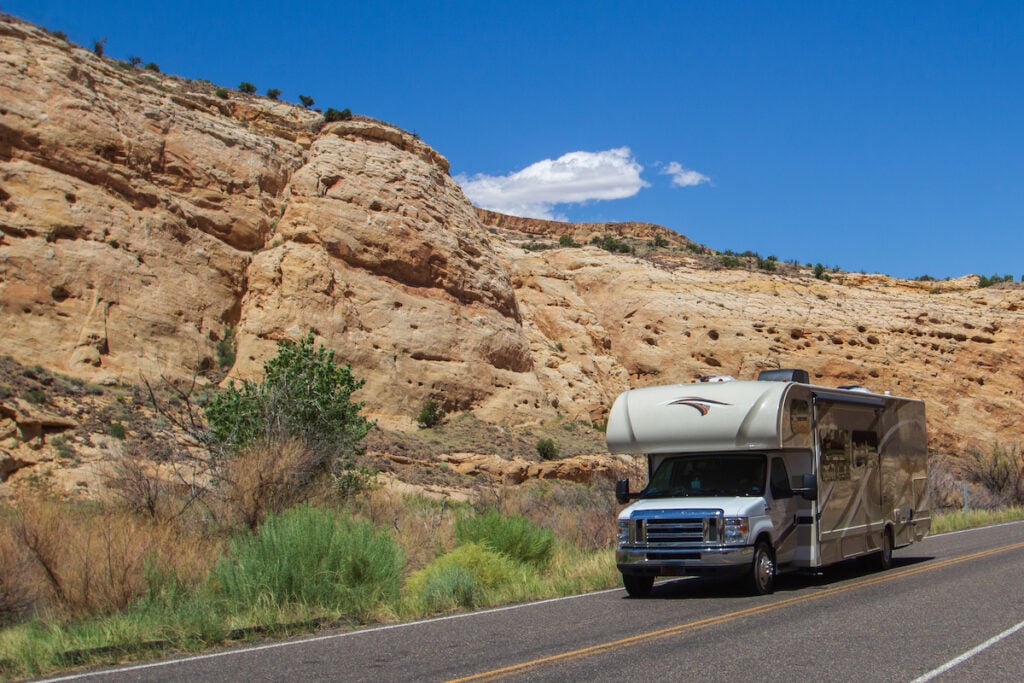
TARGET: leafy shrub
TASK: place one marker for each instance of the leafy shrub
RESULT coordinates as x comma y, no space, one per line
117,430
984,281
306,101
333,114
819,272
273,93
36,396
612,244
99,47
730,261
547,449
659,242
135,61
566,241
226,349
304,395
462,577
247,87
430,415
221,93
314,557
153,66
272,441
513,536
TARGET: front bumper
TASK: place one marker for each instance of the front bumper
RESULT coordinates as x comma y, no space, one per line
682,561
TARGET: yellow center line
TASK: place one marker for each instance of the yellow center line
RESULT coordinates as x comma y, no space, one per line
649,636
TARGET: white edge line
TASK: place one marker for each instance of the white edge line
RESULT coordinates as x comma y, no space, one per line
976,528
967,655
316,639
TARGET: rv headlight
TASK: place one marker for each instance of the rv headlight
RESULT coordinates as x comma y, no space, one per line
736,529
623,535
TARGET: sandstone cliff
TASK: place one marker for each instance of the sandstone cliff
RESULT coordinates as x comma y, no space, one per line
144,219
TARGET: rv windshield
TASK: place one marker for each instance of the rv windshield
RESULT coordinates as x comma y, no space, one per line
708,475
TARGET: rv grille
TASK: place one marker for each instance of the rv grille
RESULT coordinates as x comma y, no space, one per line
676,528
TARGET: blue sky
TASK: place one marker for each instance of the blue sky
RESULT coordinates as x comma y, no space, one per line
874,136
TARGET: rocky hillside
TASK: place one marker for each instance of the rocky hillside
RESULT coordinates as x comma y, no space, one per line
150,224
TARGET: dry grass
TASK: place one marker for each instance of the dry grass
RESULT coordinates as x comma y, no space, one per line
73,561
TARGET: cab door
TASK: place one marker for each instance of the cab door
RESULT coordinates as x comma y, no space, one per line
782,508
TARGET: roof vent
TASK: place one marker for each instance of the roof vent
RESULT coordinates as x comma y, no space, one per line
784,375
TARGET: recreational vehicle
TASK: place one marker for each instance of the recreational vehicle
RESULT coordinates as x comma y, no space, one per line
766,476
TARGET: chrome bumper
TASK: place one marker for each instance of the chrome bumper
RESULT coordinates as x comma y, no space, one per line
680,561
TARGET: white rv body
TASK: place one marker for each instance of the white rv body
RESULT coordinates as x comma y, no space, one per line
758,477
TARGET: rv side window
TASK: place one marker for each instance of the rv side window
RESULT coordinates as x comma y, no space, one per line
780,480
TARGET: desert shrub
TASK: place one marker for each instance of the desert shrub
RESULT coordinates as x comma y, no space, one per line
819,272
547,449
273,93
730,261
612,244
246,87
515,537
117,430
221,93
304,395
431,414
988,281
37,396
659,242
464,577
315,557
135,61
333,114
153,66
1000,471
226,349
306,101
566,241
99,47
85,560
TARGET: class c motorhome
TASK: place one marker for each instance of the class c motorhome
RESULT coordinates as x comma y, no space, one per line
760,477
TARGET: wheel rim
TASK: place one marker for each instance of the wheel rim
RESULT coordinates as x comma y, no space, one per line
764,569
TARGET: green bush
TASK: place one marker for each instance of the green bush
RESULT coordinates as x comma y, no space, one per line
221,93
226,349
304,395
153,66
547,449
247,87
612,244
431,414
273,93
462,578
333,114
566,241
117,430
514,537
36,396
306,101
313,557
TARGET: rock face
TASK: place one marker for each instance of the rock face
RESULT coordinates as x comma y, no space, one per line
145,218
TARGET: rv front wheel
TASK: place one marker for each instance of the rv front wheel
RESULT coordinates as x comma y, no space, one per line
638,586
762,570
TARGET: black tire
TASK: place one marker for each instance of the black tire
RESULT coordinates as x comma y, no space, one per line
761,575
883,558
638,586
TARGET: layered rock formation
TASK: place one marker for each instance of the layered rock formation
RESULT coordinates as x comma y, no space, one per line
146,218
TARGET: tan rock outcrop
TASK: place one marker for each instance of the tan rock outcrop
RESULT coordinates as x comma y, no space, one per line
143,216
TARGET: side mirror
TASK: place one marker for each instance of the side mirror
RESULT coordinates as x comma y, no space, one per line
622,491
809,490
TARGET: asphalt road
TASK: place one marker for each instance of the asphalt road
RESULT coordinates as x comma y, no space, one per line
953,597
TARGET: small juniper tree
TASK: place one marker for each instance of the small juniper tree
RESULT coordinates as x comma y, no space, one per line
306,101
333,114
273,93
247,87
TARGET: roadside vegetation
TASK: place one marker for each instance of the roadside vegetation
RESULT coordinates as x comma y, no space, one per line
268,520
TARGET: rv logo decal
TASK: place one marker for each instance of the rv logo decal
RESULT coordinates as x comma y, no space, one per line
702,405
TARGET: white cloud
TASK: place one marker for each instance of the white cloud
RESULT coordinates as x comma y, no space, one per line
572,178
684,177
